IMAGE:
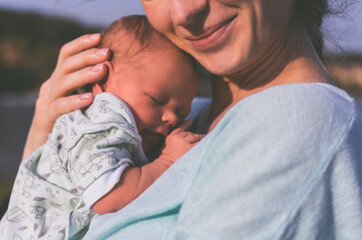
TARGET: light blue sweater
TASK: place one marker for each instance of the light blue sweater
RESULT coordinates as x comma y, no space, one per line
285,163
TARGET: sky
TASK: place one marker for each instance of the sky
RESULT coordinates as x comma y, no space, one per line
91,12
346,32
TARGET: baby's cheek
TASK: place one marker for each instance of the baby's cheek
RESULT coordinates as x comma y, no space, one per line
150,116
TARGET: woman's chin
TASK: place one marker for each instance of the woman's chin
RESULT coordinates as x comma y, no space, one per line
222,67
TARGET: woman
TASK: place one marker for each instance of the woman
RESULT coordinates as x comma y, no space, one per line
283,152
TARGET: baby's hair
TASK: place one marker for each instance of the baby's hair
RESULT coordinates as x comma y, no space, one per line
130,36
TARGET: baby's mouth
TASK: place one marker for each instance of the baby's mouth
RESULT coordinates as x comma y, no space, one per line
152,141
151,137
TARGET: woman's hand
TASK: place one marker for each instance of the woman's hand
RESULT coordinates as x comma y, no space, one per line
79,63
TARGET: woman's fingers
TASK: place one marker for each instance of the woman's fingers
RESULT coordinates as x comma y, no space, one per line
75,80
81,60
79,45
68,104
53,98
77,55
46,115
75,68
46,112
79,64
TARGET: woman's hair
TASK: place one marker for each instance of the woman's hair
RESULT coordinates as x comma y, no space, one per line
310,14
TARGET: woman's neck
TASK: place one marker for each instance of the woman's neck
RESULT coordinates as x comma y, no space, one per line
283,65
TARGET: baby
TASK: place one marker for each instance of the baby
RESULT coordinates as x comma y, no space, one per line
95,159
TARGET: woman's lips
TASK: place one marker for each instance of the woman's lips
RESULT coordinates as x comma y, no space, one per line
209,38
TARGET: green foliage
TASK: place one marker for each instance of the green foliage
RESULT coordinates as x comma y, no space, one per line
5,190
29,47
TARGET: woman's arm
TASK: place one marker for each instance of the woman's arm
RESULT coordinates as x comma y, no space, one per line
79,63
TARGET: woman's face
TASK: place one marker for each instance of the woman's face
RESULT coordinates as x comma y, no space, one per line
225,36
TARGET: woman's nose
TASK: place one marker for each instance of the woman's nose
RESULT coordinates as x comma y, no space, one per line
183,11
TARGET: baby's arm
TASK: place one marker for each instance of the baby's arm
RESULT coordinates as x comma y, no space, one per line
136,180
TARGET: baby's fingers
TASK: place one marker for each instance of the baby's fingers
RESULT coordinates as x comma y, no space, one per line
183,126
194,138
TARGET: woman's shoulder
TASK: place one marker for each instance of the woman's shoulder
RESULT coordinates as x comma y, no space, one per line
302,103
302,94
295,149
304,116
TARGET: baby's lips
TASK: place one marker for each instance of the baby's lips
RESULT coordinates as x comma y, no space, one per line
163,130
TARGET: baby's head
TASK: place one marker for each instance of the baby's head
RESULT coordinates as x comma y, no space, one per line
156,79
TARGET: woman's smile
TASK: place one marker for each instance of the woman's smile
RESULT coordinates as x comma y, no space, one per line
212,36
225,36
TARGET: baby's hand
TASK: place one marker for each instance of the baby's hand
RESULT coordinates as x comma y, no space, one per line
178,142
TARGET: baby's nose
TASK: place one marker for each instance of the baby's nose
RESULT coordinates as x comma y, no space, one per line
170,118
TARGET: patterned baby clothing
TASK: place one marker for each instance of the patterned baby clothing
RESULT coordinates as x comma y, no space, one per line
82,160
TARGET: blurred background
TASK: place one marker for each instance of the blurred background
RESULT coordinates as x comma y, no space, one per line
32,32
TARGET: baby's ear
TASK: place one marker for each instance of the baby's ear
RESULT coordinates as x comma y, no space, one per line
110,66
97,88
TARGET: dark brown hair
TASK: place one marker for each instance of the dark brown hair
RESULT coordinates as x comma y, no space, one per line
310,14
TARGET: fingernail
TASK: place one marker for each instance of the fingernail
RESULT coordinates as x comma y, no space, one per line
97,67
85,96
94,36
102,52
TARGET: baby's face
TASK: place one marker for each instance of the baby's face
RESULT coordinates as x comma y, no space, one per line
159,94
